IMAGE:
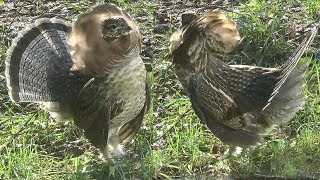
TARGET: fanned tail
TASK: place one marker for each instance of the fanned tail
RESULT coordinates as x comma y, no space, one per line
288,67
36,62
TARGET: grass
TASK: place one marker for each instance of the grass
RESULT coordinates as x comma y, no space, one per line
172,143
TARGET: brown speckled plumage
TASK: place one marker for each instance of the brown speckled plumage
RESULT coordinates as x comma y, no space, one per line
91,73
237,102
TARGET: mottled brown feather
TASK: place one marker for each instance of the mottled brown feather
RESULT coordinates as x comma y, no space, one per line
128,130
118,74
237,102
92,74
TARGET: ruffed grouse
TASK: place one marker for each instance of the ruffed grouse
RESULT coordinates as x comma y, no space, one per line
237,102
91,73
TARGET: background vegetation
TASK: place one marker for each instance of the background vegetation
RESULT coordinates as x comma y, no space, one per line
172,143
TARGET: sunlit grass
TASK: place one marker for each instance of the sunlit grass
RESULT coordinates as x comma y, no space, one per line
172,142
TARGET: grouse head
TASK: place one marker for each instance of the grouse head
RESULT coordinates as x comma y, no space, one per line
105,37
176,38
210,35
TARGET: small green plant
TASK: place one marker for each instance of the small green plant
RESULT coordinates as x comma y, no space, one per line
172,142
312,7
